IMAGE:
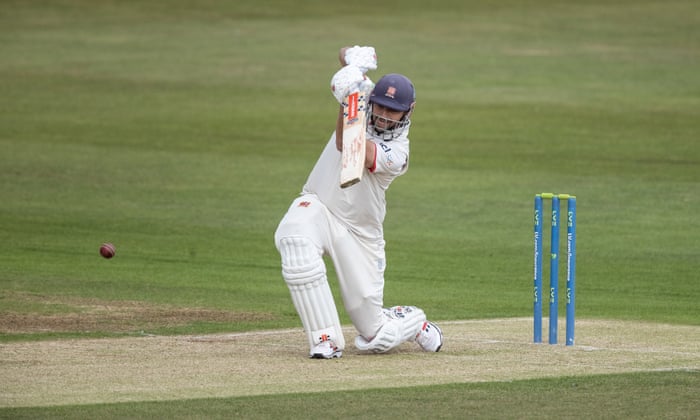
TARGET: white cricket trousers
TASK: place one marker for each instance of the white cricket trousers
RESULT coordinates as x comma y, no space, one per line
359,262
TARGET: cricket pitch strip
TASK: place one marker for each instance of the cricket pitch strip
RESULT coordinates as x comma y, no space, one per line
157,368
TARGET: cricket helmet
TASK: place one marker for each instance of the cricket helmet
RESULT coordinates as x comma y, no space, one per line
396,92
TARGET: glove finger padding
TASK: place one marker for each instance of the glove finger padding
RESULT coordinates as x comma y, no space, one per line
346,80
365,58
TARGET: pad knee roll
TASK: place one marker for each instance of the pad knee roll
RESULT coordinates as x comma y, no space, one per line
305,274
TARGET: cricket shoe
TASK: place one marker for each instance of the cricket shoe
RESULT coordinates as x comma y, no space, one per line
326,349
429,338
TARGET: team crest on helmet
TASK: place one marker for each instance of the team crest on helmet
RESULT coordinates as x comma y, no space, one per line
390,92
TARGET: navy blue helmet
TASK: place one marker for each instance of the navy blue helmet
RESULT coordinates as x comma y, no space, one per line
396,92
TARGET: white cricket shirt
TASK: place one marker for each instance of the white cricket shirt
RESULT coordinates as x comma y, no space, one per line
362,206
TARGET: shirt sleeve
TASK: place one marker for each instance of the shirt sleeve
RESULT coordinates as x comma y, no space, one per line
391,158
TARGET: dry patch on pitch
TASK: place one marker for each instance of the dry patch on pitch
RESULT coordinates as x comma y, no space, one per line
56,314
271,362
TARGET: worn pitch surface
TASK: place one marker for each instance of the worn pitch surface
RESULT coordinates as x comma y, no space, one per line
270,362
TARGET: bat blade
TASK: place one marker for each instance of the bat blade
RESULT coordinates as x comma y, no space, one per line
354,138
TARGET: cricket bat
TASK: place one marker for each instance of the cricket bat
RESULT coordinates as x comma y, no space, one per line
354,136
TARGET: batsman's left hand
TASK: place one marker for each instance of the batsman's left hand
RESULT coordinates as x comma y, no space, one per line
364,58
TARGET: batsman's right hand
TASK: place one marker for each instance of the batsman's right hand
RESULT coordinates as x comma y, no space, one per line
346,80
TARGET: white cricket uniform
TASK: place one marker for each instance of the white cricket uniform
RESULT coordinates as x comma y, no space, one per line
346,224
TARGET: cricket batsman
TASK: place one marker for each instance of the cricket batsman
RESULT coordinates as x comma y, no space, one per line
346,224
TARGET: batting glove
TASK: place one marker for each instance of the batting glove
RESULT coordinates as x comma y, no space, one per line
346,80
365,58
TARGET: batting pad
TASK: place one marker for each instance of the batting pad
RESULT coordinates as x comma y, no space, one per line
305,274
403,324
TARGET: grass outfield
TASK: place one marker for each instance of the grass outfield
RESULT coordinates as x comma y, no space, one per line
181,132
670,395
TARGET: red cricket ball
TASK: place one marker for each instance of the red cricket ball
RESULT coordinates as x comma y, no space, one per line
107,250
